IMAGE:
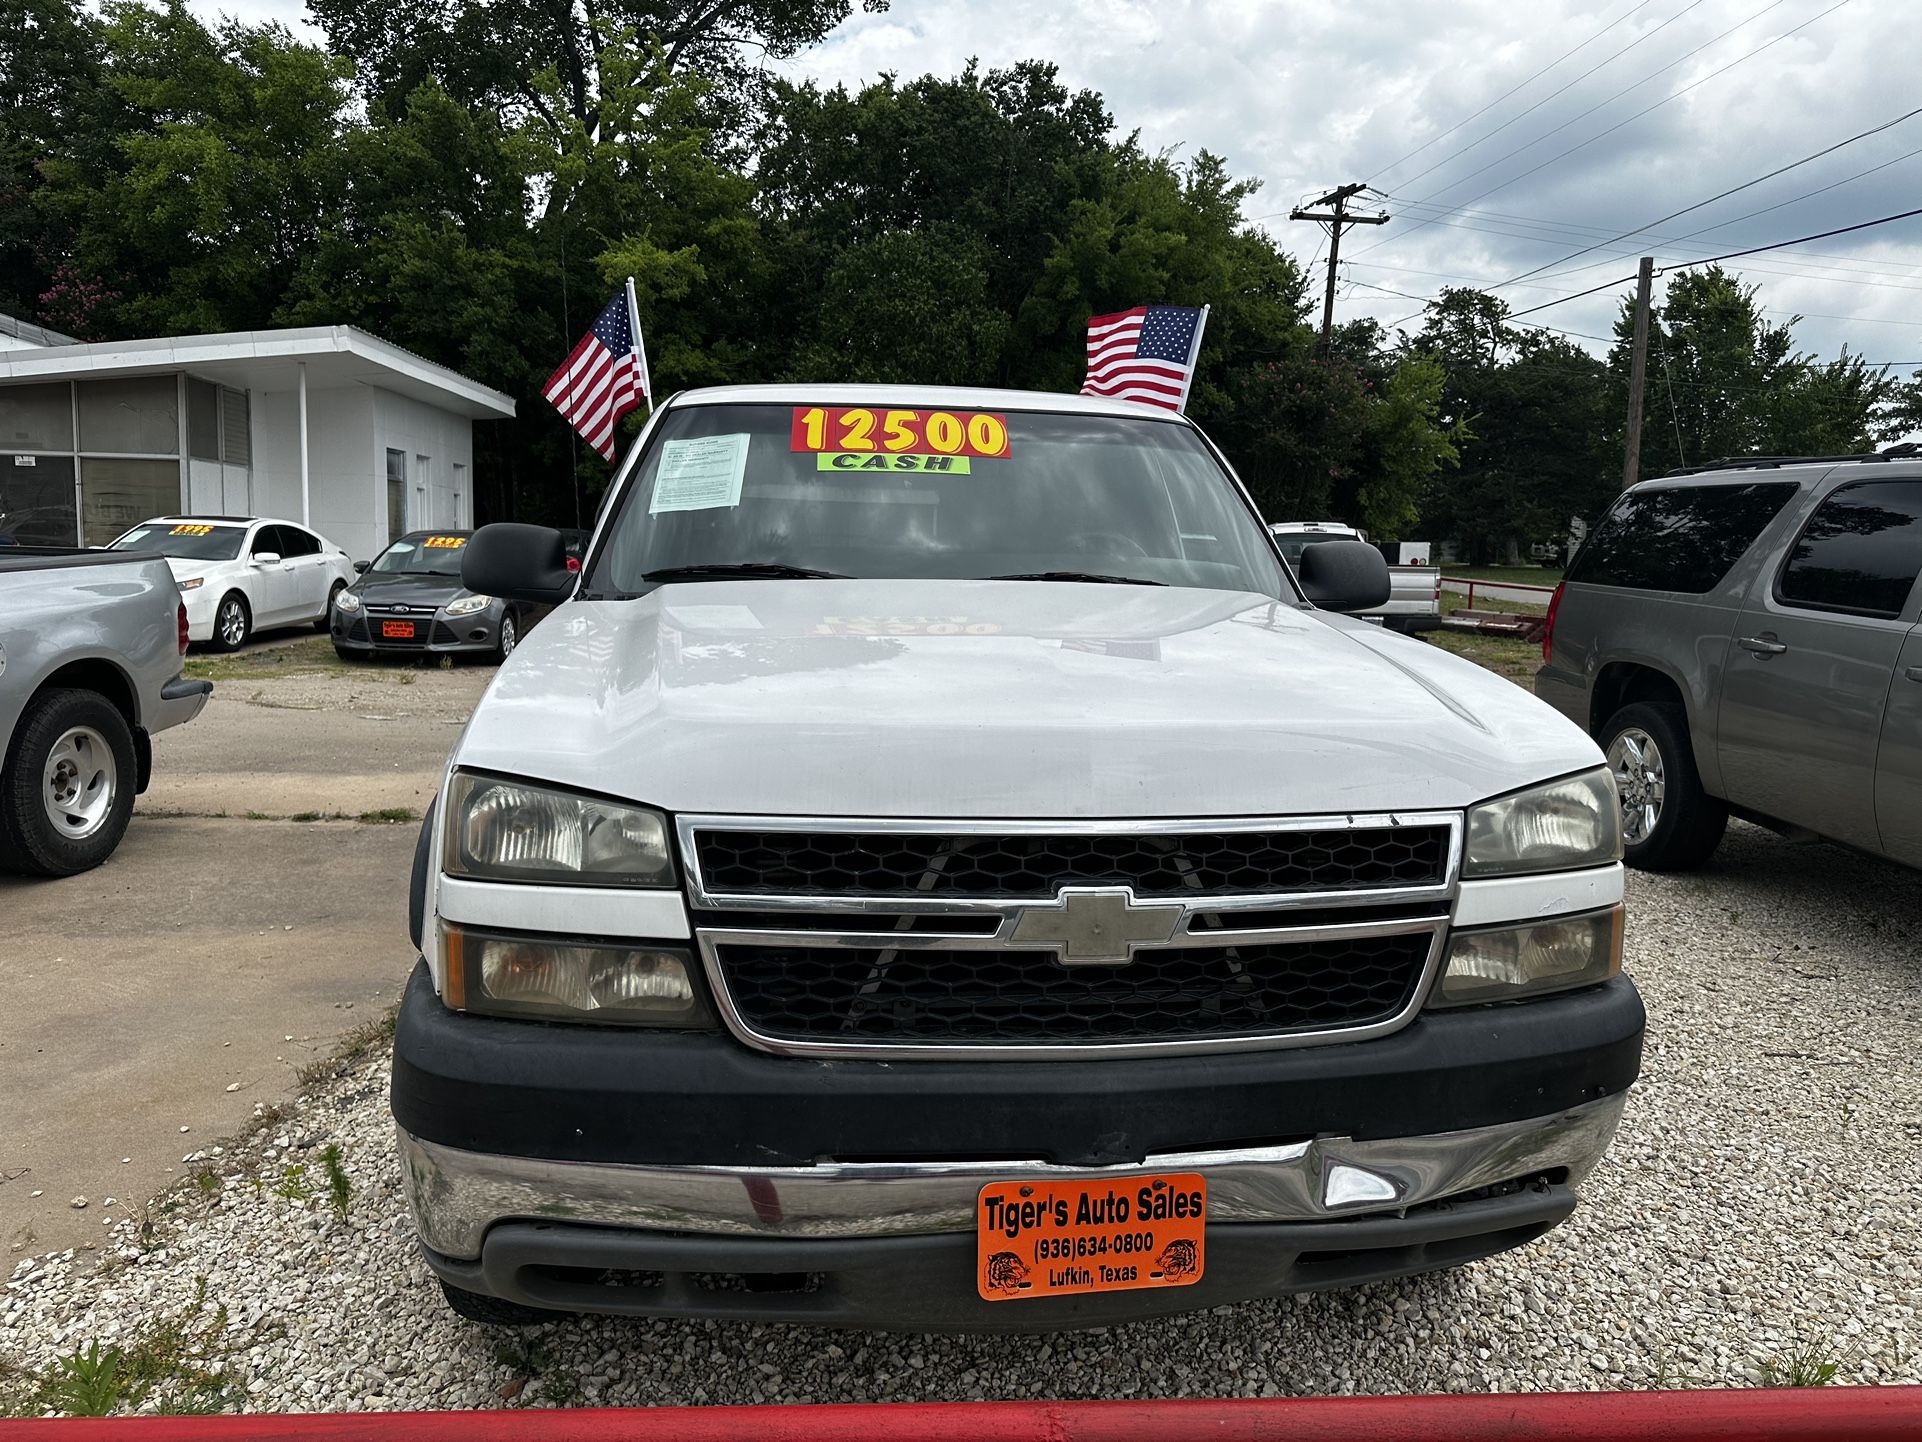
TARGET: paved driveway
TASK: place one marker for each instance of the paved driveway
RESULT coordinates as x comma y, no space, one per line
153,1002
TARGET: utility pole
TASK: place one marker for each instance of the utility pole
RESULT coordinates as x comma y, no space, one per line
1335,219
1637,374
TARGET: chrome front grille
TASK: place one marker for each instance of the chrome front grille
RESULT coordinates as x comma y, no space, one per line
1065,939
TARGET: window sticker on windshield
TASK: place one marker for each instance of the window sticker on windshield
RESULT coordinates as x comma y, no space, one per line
191,531
854,461
444,543
700,475
868,431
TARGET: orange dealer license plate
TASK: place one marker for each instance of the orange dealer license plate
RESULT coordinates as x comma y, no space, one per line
1114,1234
397,630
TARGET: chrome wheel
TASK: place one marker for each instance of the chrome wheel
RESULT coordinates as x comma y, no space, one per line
231,623
79,782
509,640
1639,775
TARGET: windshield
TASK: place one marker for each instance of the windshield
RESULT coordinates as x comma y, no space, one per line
435,555
898,493
183,540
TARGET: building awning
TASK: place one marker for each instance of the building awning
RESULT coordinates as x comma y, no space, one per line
267,360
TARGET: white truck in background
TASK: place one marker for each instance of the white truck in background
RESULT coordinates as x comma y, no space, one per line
1414,597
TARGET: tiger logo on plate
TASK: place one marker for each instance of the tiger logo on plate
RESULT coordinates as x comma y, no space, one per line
1007,1273
1177,1259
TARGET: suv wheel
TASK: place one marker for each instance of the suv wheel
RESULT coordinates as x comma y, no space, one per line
1669,823
66,793
495,1311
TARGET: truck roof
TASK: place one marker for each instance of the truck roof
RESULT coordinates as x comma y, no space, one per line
926,397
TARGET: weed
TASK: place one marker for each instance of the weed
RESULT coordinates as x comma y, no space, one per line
311,1073
256,816
293,1183
177,1363
387,815
340,1191
375,1033
308,816
207,1179
1807,1364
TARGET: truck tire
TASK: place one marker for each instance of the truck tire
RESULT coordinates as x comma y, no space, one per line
66,792
1669,823
495,1311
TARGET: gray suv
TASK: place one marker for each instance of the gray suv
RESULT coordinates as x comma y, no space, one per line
1743,640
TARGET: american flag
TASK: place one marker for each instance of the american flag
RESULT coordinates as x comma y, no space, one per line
1146,354
604,379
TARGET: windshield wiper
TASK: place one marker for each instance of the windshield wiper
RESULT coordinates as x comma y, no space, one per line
1076,576
729,570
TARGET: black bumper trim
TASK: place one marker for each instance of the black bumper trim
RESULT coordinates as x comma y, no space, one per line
924,1284
579,1093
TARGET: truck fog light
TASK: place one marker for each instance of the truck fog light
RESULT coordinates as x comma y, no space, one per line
1512,962
560,980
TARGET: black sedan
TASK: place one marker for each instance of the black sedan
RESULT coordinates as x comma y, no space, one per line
410,601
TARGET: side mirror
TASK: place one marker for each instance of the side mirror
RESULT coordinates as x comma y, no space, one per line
1344,576
518,563
266,558
361,566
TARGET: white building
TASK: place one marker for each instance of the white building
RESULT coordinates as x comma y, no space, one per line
328,425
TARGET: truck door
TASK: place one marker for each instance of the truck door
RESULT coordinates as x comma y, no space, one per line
1809,668
1898,762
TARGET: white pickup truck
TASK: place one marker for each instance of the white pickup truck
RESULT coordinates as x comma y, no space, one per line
1414,592
938,868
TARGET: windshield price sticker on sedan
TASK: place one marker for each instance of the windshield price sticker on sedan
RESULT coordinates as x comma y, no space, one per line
191,531
444,543
1048,1239
866,430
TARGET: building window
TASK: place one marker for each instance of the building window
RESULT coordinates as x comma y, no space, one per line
203,420
36,418
236,449
118,493
131,417
396,494
36,500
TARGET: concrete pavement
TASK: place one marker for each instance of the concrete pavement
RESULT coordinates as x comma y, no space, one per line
139,993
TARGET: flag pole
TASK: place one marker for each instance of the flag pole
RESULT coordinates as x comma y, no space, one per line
1194,355
640,346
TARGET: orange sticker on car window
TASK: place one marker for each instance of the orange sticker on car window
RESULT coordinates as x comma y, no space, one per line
872,430
444,543
191,531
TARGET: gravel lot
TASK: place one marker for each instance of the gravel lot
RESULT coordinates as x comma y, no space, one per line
1763,1204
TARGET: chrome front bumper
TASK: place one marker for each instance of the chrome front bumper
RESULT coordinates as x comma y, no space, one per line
456,1196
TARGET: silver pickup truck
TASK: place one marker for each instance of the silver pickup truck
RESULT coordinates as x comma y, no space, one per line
1414,592
90,652
938,868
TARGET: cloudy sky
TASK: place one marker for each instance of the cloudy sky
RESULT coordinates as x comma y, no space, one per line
1505,134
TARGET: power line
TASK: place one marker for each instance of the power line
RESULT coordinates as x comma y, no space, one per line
1546,98
1677,95
1734,255
1724,195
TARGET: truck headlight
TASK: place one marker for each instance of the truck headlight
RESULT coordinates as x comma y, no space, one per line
504,830
560,979
468,605
1511,962
348,602
1569,823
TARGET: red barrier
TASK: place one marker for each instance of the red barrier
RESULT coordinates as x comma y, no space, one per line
1831,1414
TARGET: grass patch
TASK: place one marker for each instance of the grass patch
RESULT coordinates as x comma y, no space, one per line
387,815
308,816
1808,1364
1453,601
178,1365
377,1033
307,656
1520,575
1515,660
340,1191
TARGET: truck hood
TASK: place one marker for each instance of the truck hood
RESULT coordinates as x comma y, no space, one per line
1004,699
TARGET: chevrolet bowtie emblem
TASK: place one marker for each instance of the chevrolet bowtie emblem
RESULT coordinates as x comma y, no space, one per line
1097,926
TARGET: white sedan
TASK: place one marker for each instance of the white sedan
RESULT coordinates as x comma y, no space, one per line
241,574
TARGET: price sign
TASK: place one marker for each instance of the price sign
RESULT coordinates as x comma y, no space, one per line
870,430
